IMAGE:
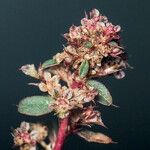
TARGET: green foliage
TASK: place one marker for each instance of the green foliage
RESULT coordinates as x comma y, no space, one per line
49,63
84,68
104,96
35,105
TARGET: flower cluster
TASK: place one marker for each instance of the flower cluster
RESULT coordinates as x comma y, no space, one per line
93,50
94,40
66,97
29,134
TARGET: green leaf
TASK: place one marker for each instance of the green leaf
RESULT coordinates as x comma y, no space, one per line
88,45
49,63
104,96
84,68
35,105
113,43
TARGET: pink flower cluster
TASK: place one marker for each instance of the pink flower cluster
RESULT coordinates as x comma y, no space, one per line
97,26
22,135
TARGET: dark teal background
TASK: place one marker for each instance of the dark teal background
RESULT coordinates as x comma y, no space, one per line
30,32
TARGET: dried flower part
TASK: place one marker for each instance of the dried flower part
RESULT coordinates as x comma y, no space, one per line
109,66
39,132
86,117
95,137
91,116
119,74
30,70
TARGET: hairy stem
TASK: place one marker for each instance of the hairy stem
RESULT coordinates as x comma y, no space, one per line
62,133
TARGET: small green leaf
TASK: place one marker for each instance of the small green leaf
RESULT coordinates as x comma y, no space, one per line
88,45
104,96
113,43
35,105
84,68
49,63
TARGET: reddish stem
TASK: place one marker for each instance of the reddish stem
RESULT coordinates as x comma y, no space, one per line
62,133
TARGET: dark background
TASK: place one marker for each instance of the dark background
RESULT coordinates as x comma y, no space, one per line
30,32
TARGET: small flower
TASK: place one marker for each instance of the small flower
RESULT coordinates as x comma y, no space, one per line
82,96
51,84
62,107
94,13
115,52
71,50
67,93
75,32
111,31
59,57
25,126
119,74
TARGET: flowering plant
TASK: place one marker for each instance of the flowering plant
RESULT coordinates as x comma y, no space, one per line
93,50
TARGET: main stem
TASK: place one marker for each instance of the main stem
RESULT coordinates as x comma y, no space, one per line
62,133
